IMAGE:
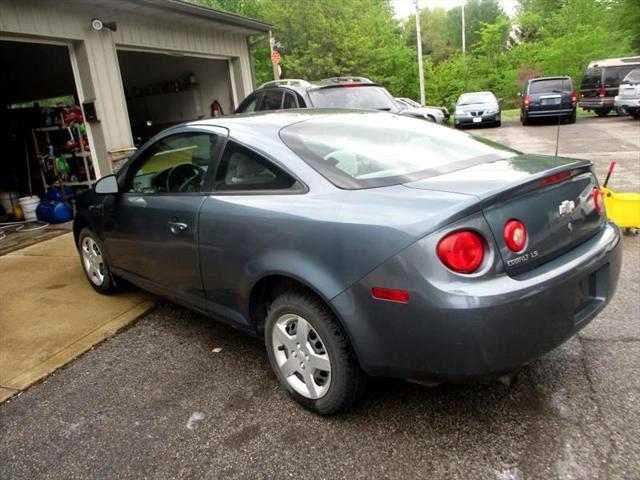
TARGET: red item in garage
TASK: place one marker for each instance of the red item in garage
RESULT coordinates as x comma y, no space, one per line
72,115
216,109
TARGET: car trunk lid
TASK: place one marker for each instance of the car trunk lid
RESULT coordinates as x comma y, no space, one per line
552,197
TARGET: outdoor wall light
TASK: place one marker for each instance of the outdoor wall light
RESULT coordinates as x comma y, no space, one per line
98,25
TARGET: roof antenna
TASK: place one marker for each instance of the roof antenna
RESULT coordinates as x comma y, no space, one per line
564,70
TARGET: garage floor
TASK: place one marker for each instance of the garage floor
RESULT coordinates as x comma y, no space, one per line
50,314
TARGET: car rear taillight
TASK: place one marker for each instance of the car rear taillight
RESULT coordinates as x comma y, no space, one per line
527,100
574,97
597,199
351,84
602,92
515,235
462,251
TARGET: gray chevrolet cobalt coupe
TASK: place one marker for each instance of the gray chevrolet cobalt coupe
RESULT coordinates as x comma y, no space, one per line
358,243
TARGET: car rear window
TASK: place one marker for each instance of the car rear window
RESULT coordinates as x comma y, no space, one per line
613,76
366,150
555,84
633,76
360,97
591,78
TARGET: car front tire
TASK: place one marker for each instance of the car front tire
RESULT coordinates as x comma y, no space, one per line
94,263
311,355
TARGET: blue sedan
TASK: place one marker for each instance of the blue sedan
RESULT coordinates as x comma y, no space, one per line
357,244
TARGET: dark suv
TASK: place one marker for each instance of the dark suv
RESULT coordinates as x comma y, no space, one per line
337,92
601,81
549,97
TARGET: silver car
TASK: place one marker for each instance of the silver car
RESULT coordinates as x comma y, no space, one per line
628,97
477,109
412,108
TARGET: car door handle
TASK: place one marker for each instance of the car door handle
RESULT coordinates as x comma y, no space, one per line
177,227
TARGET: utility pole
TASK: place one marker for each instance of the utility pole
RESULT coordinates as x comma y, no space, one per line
464,34
276,67
420,66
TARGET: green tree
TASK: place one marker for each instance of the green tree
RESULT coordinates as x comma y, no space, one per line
476,13
434,33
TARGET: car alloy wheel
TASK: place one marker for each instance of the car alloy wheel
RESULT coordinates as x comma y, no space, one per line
93,261
301,356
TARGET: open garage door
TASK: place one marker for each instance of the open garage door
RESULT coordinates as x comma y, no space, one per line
44,142
163,89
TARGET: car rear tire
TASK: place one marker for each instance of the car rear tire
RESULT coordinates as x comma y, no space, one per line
572,118
635,114
602,112
94,264
311,355
498,123
525,119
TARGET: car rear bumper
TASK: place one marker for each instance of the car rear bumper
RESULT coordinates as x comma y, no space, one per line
599,102
457,331
626,102
565,112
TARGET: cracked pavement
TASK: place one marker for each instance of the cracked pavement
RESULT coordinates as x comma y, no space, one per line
179,396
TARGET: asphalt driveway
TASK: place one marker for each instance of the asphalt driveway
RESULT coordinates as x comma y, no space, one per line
161,400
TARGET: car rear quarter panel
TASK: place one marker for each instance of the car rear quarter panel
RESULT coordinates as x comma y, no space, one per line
326,240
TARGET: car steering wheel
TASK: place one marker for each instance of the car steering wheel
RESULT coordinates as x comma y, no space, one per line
195,172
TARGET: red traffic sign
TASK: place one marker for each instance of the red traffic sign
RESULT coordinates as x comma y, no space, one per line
275,57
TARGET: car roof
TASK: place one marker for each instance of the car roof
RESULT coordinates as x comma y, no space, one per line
301,86
273,119
560,77
614,62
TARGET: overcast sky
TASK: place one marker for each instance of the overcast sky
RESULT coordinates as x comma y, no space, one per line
404,8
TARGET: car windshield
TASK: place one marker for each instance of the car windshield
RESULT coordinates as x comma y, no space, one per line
364,150
360,97
633,77
480,97
551,85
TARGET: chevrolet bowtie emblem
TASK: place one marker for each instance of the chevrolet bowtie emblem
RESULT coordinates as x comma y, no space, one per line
566,207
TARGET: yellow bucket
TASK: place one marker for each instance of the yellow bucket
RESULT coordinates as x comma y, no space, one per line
622,208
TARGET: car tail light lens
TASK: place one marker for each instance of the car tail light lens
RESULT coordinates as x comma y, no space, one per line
527,100
399,296
597,199
461,251
574,97
602,92
515,235
351,84
555,178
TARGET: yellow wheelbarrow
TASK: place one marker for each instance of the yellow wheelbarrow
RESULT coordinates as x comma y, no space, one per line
622,208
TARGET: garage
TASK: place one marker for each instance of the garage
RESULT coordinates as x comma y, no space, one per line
84,86
163,89
42,133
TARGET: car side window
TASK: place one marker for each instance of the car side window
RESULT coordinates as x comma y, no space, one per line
272,100
174,164
289,100
243,169
250,104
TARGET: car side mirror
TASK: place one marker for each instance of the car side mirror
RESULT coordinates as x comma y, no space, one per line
108,184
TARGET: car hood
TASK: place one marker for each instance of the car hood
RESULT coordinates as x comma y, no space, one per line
422,111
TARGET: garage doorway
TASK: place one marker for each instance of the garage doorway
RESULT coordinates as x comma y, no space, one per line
164,89
43,139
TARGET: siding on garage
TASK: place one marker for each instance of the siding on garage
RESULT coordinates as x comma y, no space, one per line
94,54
